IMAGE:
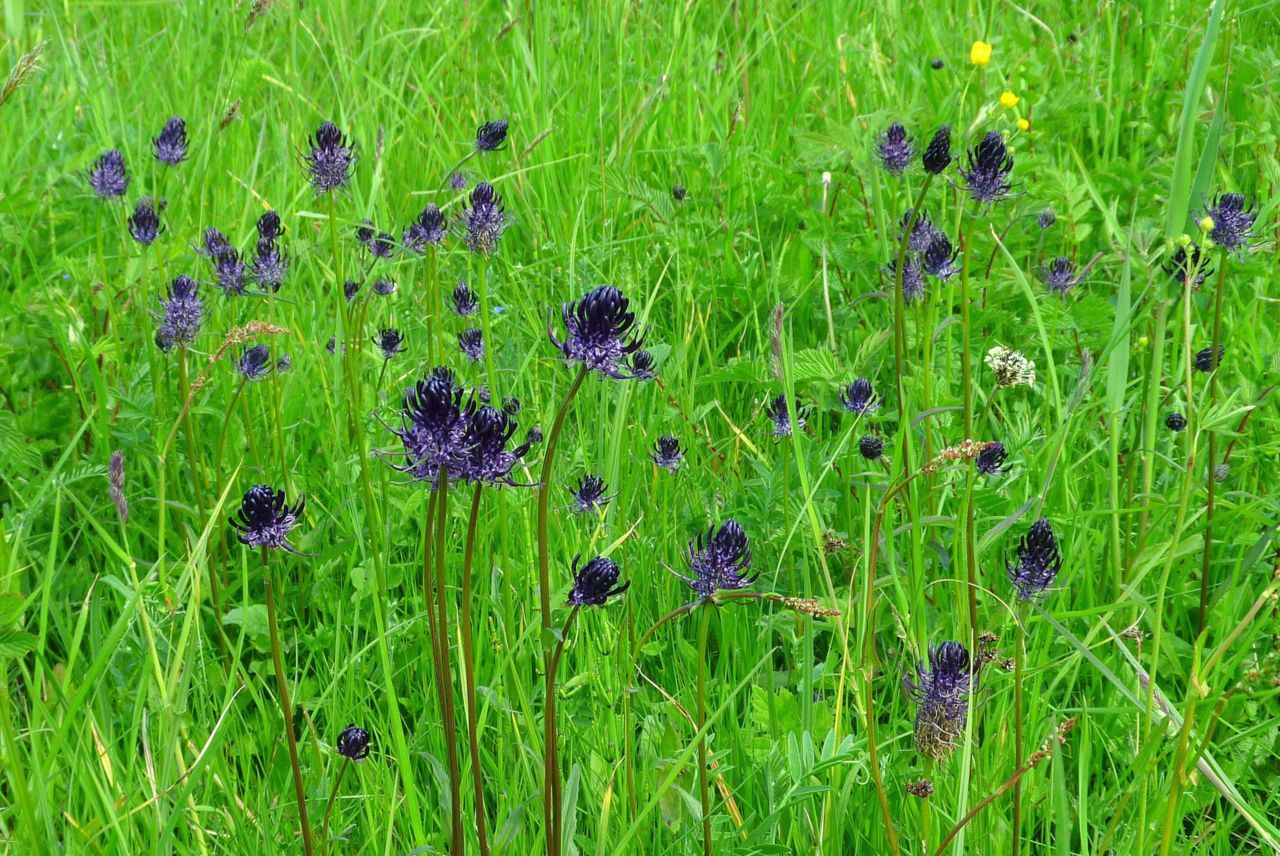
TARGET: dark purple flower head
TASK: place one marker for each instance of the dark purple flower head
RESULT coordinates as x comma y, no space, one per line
482,221
264,520
270,227
1207,360
489,457
183,314
228,271
871,447
923,233
384,286
426,231
990,461
589,495
941,691
471,343
254,363
171,146
144,222
859,397
678,192
777,411
936,63
390,341
330,160
213,244
458,180
595,582
939,259
895,149
912,277
332,345
107,176
433,426
381,245
353,743
511,405
937,157
600,332
667,453
987,175
1175,422
350,289
1059,275
491,136
641,365
1047,218
284,364
270,264
1190,261
464,300
1233,219
1038,561
720,560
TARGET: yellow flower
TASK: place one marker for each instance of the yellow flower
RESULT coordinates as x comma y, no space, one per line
980,54
1207,224
1143,341
1024,125
1008,99
1184,239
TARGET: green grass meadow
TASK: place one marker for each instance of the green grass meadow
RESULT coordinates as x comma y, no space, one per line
1132,708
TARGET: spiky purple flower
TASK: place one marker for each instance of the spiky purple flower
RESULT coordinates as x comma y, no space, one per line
183,314
1047,218
471,343
384,286
464,300
1190,261
269,227
595,582
871,447
265,520
1207,360
107,176
213,243
777,411
942,693
990,461
720,560
144,222
895,149
989,164
600,332
667,453
491,135
1233,219
589,495
939,258
228,272
284,364
923,232
270,264
1175,422
171,146
912,277
381,245
458,180
426,231
353,743
330,160
254,363
937,157
433,426
1059,275
350,289
488,457
390,341
858,397
679,192
482,221
1037,561
641,365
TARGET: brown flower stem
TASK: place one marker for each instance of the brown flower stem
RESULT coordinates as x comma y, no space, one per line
445,677
704,792
1019,667
333,796
551,752
469,673
1212,461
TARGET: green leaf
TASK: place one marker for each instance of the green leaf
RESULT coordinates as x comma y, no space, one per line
813,364
15,643
253,620
1180,189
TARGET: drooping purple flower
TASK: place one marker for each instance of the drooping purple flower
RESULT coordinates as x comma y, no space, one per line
895,149
939,259
270,264
183,314
859,397
595,582
390,341
433,426
144,222
1037,561
482,221
589,495
942,693
471,343
426,231
269,227
777,411
488,457
720,560
600,332
989,164
1047,218
464,300
107,176
667,453
1233,219
1059,275
491,136
937,157
254,363
990,461
1207,360
871,447
353,743
265,520
330,159
171,146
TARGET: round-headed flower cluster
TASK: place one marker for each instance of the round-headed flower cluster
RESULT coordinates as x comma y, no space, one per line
1038,561
595,582
330,160
171,145
667,453
183,314
987,172
264,519
483,220
720,560
941,691
600,332
895,149
107,176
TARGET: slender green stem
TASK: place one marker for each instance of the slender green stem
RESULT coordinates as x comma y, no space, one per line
551,752
333,796
286,709
970,541
1212,462
469,673
900,299
1019,667
445,678
704,792
485,313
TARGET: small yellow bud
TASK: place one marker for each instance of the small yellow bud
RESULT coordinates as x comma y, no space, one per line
1208,245
1207,224
1184,239
1143,341
980,54
1008,99
1024,125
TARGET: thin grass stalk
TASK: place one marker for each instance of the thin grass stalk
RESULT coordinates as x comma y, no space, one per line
469,673
704,792
286,709
966,380
1019,668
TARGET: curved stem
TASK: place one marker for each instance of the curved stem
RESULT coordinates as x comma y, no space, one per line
333,796
704,791
469,673
1019,666
286,709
